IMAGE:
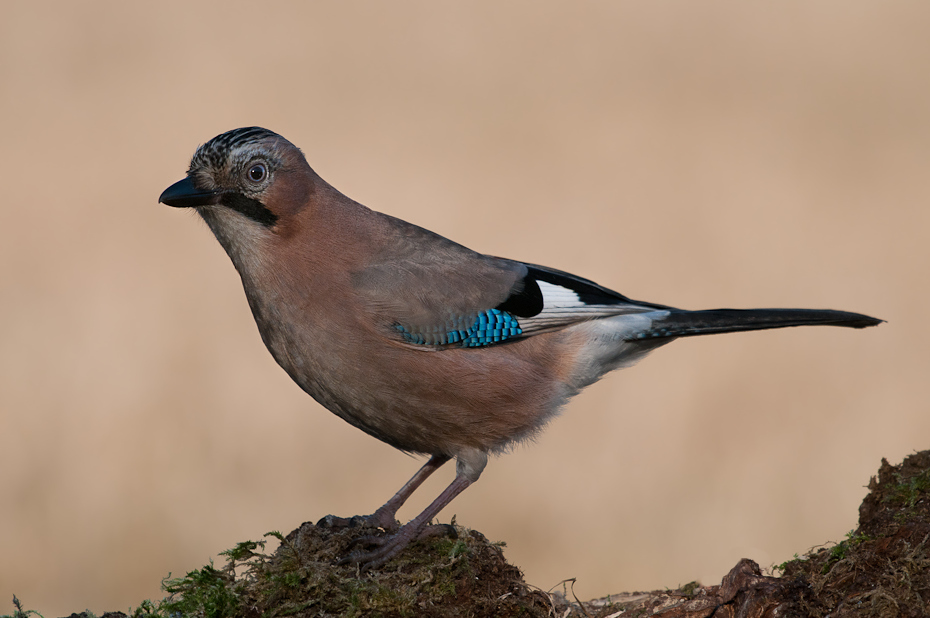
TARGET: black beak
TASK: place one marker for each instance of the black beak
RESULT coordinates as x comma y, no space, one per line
183,194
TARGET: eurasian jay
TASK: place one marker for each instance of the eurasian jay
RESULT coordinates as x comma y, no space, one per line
414,339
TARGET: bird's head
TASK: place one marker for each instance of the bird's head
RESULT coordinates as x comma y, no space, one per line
249,179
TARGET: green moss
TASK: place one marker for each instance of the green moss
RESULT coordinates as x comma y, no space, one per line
19,612
206,593
302,577
838,552
906,493
146,609
909,489
784,566
690,588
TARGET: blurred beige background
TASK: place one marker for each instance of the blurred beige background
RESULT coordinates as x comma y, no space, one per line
701,154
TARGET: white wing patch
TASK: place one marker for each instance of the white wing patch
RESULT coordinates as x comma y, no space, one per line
558,296
563,306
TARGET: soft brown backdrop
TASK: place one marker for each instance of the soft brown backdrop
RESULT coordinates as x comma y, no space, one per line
701,154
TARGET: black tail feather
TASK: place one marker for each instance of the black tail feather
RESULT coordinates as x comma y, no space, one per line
682,323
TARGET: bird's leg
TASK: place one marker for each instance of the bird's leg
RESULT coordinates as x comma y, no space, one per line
386,547
385,517
468,468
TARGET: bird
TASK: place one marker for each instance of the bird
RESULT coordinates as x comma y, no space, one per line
420,342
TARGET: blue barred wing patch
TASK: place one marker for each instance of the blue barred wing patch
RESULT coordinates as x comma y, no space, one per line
491,326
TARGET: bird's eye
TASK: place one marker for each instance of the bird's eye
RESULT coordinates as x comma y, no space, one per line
257,172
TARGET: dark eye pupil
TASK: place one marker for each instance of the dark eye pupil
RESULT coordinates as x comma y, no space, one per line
257,173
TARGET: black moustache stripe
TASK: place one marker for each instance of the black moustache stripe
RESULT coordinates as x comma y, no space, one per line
251,208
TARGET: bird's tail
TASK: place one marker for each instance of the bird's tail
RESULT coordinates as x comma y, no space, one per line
680,323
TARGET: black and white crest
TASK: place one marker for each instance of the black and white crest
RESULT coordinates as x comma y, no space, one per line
214,153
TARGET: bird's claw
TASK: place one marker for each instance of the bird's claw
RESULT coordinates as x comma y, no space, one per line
386,547
358,521
447,530
334,521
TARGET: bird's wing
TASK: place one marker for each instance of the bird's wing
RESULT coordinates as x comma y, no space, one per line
428,291
565,299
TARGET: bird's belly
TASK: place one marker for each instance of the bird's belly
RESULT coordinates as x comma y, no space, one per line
425,401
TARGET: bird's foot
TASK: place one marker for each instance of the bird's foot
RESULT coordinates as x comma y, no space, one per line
375,520
383,548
